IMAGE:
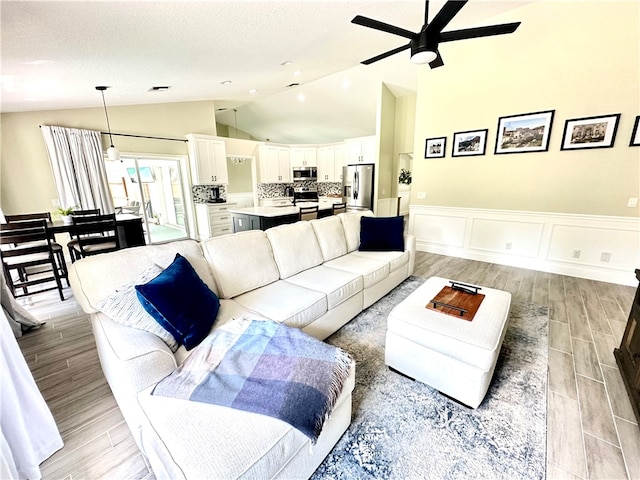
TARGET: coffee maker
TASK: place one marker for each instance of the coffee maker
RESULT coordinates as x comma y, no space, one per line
214,195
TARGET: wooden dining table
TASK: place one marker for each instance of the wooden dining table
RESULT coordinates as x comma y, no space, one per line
130,231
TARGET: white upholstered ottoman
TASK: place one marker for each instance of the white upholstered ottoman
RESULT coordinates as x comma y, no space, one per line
455,356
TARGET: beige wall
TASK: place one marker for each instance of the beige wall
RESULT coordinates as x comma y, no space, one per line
581,58
386,130
405,127
26,181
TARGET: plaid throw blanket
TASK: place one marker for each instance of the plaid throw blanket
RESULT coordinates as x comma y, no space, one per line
263,367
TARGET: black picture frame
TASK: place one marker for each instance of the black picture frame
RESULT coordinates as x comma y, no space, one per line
524,133
469,143
435,147
635,134
590,132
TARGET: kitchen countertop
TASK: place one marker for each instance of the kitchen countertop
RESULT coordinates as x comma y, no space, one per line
279,211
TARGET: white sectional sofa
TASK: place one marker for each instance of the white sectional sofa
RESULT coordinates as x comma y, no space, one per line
308,274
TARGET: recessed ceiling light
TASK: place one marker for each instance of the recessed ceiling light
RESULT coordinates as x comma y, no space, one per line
253,90
297,72
288,62
226,82
301,97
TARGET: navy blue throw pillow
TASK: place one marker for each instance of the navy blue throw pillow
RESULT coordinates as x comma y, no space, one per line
381,234
180,302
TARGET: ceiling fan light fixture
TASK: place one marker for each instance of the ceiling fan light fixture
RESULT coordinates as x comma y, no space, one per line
425,56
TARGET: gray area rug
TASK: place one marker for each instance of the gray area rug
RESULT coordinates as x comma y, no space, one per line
403,429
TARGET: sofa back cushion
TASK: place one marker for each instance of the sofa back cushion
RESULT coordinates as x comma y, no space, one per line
295,248
330,234
241,262
351,224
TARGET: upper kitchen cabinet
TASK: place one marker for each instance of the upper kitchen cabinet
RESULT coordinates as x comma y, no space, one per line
303,156
361,150
331,159
208,160
273,164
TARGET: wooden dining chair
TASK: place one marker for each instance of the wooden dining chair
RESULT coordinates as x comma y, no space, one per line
72,245
337,208
26,245
95,234
57,248
308,213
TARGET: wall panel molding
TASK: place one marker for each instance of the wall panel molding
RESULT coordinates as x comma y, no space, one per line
596,247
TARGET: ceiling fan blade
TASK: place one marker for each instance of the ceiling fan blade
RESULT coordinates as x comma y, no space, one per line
479,32
385,27
437,62
385,54
444,16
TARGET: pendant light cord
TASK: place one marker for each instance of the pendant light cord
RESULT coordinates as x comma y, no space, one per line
107,115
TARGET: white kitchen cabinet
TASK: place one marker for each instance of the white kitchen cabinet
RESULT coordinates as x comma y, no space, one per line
361,150
208,160
331,159
273,164
303,156
214,219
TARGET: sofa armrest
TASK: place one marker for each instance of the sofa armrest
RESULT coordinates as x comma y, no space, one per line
410,246
131,360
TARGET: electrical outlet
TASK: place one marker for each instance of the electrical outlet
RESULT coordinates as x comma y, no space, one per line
576,254
55,202
507,246
633,202
605,257
422,195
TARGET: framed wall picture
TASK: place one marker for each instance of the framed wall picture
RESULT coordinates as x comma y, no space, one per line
528,132
435,147
635,135
472,142
590,132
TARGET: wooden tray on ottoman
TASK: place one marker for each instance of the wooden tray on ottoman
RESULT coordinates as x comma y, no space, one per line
459,300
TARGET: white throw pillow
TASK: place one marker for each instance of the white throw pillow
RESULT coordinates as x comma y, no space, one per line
123,307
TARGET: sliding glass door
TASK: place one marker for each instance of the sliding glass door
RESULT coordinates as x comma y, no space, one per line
153,189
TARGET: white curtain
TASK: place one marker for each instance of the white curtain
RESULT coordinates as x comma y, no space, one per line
78,167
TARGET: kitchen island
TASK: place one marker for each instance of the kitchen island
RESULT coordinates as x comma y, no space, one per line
262,218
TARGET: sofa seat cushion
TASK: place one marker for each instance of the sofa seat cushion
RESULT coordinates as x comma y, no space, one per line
372,270
337,285
330,234
396,260
286,303
295,248
241,262
198,437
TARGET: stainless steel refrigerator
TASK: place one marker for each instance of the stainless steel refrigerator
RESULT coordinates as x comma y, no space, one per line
357,186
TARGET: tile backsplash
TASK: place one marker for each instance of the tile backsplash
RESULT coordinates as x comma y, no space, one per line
200,193
274,190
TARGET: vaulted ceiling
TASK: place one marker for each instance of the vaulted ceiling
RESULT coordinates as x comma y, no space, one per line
55,52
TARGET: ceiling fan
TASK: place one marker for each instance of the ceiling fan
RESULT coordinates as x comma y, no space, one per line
424,44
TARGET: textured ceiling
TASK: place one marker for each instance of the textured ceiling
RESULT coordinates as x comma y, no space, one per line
54,53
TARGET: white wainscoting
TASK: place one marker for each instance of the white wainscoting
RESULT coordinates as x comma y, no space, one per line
601,248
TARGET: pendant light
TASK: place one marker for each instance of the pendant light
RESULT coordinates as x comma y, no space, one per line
112,152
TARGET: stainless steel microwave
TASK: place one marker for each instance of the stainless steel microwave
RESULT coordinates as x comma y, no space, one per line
300,174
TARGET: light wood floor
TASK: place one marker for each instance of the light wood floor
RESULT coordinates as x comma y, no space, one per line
592,432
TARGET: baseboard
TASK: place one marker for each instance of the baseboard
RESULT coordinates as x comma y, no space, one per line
603,248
